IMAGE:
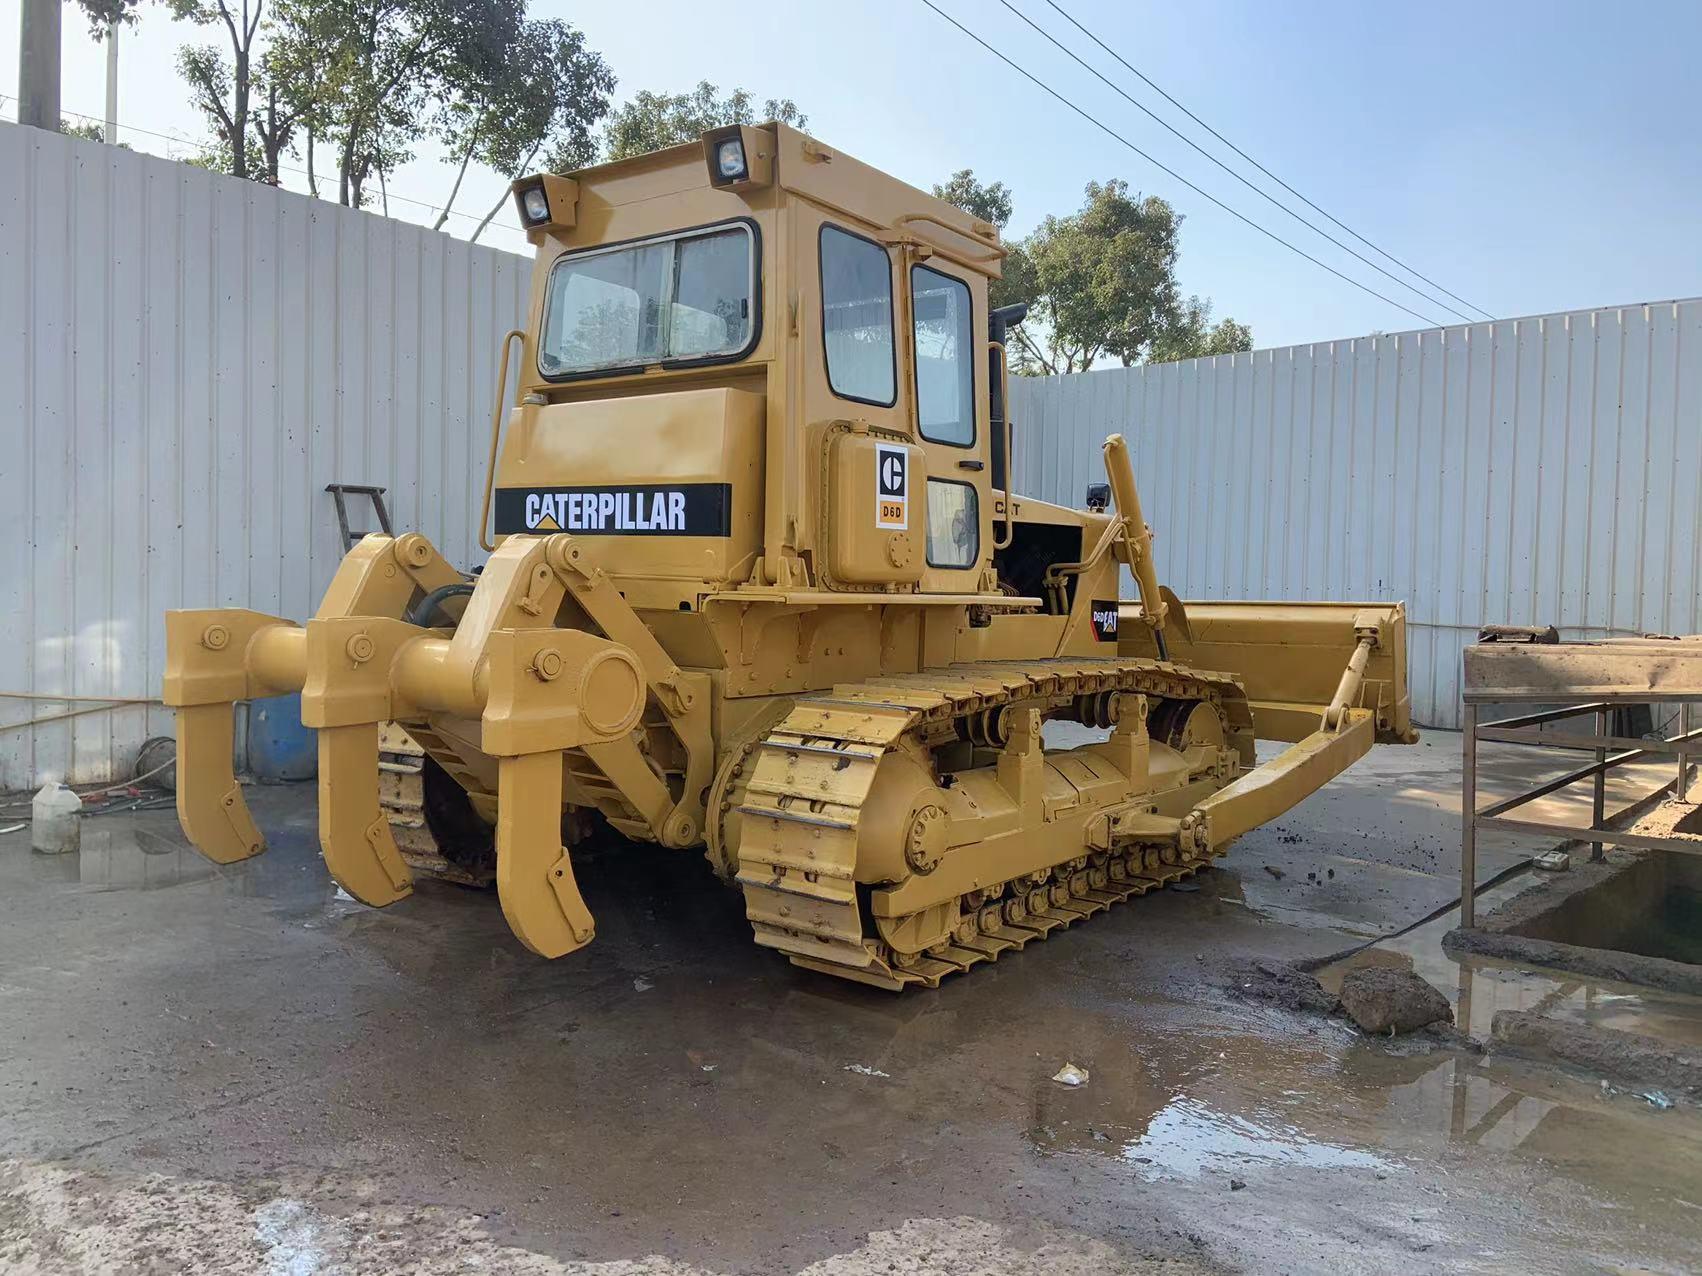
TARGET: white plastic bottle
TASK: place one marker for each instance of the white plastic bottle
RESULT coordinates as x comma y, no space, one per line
55,814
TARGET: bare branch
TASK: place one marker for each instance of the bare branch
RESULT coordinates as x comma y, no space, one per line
502,199
460,173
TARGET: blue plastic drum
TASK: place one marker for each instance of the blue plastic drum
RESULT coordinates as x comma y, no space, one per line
279,747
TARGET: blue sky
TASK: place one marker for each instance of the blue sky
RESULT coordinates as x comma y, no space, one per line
1528,157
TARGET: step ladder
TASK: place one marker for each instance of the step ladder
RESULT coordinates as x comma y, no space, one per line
340,492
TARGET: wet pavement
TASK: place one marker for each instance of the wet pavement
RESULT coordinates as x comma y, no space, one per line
235,1069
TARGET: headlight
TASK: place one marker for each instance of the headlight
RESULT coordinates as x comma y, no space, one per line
536,205
730,159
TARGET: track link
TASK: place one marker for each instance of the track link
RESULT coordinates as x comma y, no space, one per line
813,772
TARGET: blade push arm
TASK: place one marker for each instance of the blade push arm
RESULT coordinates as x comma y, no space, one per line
1342,735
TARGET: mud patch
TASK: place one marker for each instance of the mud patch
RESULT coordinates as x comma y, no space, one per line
1628,1059
1276,983
58,1221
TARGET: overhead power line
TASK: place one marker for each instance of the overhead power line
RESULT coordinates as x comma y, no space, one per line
1165,168
1257,190
1381,252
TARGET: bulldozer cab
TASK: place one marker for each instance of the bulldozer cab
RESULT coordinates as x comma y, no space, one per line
753,360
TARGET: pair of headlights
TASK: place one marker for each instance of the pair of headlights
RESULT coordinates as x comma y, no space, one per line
728,162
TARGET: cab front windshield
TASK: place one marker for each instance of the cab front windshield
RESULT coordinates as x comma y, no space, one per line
681,298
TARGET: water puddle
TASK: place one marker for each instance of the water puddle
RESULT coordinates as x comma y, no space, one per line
120,854
123,857
1185,1104
1480,988
1188,1138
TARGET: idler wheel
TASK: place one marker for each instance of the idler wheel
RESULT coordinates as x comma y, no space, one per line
925,842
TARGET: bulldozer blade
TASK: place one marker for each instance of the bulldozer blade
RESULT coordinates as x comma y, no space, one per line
534,878
354,833
1290,658
210,804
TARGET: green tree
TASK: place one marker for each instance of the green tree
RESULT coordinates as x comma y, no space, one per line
652,121
103,13
544,96
365,75
220,87
1101,283
991,202
88,130
1192,335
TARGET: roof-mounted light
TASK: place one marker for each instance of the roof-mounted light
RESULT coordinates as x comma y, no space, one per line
739,157
730,159
545,203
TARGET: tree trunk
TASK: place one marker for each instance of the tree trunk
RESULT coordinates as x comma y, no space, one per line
273,135
345,169
502,199
312,177
495,209
1035,352
466,157
383,192
239,118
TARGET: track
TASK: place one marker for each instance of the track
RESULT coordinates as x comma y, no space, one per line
811,775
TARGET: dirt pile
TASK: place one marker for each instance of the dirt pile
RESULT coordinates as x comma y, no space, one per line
1383,999
1624,1057
1276,983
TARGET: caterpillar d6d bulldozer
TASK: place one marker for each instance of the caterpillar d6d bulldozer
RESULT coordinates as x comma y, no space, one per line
759,584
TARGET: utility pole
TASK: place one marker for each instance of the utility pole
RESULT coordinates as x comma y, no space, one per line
110,134
38,63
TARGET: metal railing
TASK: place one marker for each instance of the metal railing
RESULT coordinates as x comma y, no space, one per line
1610,751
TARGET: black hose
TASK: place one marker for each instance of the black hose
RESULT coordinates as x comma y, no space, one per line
422,610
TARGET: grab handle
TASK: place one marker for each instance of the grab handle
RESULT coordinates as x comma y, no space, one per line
1003,541
496,433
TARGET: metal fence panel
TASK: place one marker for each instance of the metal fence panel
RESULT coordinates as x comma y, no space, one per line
1545,470
185,362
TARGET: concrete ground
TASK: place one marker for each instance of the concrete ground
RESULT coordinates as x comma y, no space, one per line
237,1070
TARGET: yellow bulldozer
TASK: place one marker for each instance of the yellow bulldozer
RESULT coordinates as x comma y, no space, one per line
759,583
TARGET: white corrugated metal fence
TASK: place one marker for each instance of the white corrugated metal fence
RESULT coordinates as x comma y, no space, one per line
186,361
1531,471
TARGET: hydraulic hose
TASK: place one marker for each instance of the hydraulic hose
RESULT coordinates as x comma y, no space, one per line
422,610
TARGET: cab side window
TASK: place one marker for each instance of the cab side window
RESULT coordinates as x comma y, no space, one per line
856,321
945,357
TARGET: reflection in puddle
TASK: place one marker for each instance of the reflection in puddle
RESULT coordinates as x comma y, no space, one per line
1482,987
128,858
1188,1138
